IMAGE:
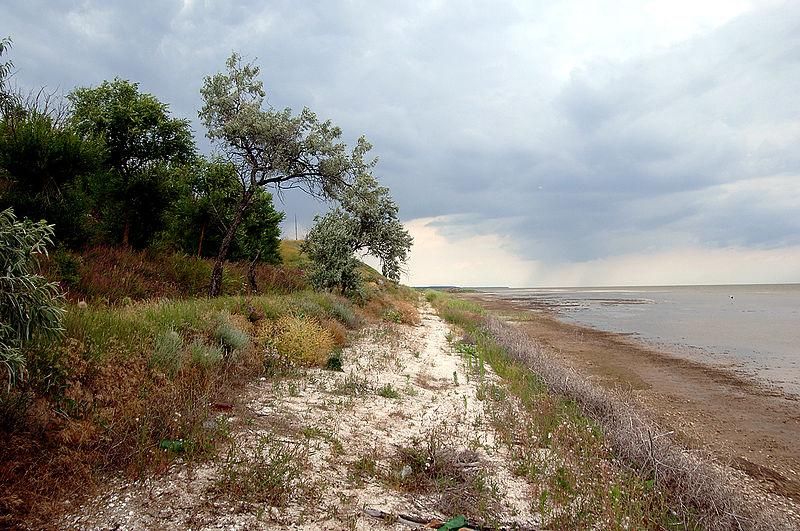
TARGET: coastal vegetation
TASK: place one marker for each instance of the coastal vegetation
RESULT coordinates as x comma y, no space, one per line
113,232
594,456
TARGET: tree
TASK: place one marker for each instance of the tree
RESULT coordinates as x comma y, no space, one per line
143,144
45,166
270,147
365,221
198,220
29,304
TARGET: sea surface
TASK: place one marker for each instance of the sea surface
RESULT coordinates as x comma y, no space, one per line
751,329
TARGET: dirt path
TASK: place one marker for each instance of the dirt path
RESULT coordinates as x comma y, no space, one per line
311,452
754,428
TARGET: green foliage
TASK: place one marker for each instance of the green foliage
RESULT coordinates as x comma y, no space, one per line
29,305
272,146
167,352
206,205
68,267
5,70
144,145
269,147
365,221
388,391
203,355
228,335
331,245
47,167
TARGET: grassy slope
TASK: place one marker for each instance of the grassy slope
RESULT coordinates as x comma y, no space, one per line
142,365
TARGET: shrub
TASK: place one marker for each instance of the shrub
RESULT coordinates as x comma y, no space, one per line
167,350
337,330
303,340
191,274
387,391
272,472
228,335
345,314
203,355
68,266
28,303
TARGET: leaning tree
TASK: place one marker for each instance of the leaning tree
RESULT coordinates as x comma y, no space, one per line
271,147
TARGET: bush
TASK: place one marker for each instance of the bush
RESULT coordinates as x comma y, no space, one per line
203,355
345,314
29,304
68,267
228,335
303,340
167,352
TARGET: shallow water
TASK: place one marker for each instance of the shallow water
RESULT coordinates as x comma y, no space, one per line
754,329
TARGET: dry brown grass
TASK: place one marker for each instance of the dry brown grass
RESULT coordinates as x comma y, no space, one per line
337,330
114,274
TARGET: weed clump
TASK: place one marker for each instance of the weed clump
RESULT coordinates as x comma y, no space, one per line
167,352
388,391
271,472
454,476
303,340
228,335
203,355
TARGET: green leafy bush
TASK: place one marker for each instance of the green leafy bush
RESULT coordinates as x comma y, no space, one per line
29,305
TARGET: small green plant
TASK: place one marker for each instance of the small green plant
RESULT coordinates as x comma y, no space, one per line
203,355
392,315
387,391
352,384
270,471
228,335
334,362
167,352
364,467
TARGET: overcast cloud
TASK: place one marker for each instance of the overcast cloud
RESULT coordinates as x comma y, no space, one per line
526,142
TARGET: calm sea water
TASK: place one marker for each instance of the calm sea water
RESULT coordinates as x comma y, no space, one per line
752,329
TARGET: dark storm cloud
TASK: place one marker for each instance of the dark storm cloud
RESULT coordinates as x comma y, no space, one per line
473,115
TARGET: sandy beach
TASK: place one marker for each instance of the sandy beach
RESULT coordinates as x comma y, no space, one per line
742,422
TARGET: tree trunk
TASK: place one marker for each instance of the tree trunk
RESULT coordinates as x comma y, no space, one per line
126,232
216,274
200,244
251,274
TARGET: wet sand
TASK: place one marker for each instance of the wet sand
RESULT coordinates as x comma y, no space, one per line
754,428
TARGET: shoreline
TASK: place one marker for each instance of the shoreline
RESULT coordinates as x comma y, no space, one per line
743,423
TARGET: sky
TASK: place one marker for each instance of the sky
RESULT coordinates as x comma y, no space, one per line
527,143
